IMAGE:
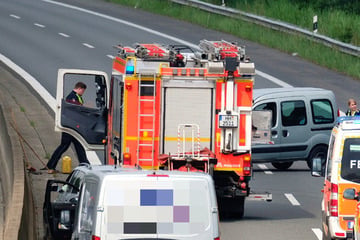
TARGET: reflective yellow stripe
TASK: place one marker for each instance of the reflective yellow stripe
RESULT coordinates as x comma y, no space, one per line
80,99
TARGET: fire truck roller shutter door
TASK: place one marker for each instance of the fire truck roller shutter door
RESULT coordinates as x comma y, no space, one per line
187,106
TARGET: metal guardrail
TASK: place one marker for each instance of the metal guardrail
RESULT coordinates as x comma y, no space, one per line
277,25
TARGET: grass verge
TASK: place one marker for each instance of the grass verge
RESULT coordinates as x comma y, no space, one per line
289,43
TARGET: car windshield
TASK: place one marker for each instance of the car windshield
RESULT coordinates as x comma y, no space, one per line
351,160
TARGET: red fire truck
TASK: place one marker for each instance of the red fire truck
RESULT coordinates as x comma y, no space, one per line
170,107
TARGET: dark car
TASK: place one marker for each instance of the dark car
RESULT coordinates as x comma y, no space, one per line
61,198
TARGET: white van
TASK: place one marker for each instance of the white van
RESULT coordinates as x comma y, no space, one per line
119,203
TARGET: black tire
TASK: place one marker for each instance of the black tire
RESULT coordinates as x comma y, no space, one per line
282,165
319,151
211,169
231,207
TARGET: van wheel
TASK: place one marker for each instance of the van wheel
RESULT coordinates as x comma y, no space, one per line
282,165
317,152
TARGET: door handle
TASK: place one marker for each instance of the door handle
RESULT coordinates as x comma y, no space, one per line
285,133
274,134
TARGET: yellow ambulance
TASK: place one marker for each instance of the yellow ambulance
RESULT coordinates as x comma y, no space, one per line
341,171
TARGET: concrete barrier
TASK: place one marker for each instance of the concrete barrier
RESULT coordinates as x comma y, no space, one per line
12,179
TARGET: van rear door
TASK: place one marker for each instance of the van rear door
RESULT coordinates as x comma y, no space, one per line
159,207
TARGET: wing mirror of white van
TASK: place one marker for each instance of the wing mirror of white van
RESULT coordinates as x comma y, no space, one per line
317,169
350,193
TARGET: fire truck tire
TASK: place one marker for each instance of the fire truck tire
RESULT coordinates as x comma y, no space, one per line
211,169
282,165
232,207
319,151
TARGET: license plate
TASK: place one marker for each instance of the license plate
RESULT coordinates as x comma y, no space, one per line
228,121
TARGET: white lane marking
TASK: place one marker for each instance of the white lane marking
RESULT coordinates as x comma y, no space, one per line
39,25
110,56
318,232
264,167
292,199
63,34
175,39
272,79
15,16
88,45
44,94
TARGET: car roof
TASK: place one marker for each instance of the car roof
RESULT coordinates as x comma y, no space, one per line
287,91
101,171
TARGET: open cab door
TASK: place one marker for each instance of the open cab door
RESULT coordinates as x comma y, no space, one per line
86,122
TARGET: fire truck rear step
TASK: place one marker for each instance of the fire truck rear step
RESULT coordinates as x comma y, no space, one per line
260,196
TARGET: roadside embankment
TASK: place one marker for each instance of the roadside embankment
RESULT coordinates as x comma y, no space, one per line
27,139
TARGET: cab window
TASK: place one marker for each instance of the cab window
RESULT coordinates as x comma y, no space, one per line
94,95
350,163
322,111
293,113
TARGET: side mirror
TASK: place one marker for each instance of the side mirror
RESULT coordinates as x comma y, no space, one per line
350,193
316,168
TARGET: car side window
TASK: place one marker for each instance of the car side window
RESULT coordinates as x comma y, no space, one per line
88,208
270,106
322,111
293,113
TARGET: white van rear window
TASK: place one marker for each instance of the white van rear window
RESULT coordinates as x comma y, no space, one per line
350,164
152,205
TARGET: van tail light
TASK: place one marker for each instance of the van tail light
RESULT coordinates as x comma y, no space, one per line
217,238
93,237
247,165
338,112
333,208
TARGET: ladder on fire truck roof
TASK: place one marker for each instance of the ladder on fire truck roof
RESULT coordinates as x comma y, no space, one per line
143,117
222,49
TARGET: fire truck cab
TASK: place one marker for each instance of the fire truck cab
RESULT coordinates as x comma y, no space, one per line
169,107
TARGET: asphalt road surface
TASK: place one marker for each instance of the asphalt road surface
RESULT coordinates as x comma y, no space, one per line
38,37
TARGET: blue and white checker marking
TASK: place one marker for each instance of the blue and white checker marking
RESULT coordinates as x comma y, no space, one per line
156,206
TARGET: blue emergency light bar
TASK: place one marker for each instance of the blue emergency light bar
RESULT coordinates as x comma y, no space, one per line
348,122
130,69
353,119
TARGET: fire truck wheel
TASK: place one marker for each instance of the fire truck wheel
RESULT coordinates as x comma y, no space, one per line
231,207
211,169
282,165
319,151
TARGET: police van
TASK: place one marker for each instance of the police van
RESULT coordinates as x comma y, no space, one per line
127,203
342,171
